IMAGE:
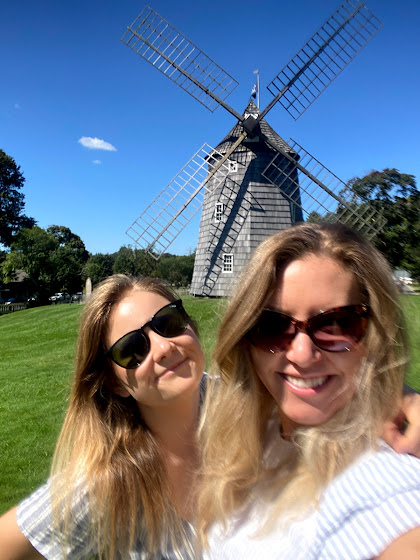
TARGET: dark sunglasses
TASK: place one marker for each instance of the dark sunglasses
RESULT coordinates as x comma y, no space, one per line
131,349
335,330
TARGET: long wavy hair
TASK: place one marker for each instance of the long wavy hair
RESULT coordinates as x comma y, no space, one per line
239,407
105,448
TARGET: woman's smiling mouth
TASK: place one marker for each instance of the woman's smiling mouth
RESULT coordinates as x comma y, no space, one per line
305,382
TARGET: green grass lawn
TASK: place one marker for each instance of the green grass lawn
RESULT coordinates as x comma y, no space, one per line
411,306
36,356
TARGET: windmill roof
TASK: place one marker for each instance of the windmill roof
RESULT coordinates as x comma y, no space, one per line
266,129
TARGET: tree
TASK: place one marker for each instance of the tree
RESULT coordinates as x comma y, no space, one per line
177,270
31,251
125,261
68,258
145,263
97,268
314,217
134,261
384,185
12,202
396,197
53,259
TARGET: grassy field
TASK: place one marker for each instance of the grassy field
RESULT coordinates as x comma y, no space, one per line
36,357
411,306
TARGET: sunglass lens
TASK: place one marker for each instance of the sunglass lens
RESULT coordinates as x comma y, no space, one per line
131,350
170,321
339,331
274,331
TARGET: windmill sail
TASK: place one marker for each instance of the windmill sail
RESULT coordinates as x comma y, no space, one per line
323,196
163,46
176,205
336,43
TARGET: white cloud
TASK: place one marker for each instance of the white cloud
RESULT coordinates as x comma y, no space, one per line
96,144
97,161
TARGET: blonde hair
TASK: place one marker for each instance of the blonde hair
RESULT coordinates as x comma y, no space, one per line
239,406
106,449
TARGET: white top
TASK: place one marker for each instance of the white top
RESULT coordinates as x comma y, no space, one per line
373,502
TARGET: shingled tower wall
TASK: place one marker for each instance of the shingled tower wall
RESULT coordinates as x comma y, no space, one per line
241,211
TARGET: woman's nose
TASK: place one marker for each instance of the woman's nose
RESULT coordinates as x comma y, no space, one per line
160,347
302,351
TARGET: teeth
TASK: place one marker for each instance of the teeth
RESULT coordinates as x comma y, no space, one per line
306,383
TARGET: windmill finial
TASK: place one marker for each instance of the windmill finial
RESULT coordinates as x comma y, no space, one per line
255,93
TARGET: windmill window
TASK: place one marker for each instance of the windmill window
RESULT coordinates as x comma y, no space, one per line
233,166
218,212
228,262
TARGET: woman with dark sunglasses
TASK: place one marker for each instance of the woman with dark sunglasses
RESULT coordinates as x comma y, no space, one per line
312,355
123,471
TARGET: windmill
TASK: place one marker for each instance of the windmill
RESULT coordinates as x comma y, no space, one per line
253,183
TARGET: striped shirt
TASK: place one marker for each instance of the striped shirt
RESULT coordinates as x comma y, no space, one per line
34,518
373,502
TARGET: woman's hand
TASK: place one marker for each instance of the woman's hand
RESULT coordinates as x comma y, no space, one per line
403,433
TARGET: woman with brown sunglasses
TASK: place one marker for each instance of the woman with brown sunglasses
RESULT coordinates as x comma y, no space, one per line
312,355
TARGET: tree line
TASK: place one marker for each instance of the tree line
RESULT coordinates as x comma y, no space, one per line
55,259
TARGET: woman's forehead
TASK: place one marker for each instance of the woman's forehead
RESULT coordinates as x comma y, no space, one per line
312,283
134,310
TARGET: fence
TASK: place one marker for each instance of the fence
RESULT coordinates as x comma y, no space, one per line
12,307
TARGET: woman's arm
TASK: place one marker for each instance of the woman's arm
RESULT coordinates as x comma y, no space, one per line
406,547
405,440
13,544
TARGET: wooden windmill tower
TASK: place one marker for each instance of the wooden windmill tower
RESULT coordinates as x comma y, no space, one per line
253,183
242,208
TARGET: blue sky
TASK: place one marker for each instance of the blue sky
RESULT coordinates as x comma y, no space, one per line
67,76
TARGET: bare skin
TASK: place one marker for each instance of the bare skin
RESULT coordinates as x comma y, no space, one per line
14,545
406,547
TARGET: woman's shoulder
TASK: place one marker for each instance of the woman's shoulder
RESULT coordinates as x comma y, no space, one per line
376,475
376,498
35,520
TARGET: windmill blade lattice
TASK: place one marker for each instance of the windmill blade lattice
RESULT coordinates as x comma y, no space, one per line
168,50
324,56
176,205
323,195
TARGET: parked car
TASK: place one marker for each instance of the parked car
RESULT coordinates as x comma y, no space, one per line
18,299
59,296
77,297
